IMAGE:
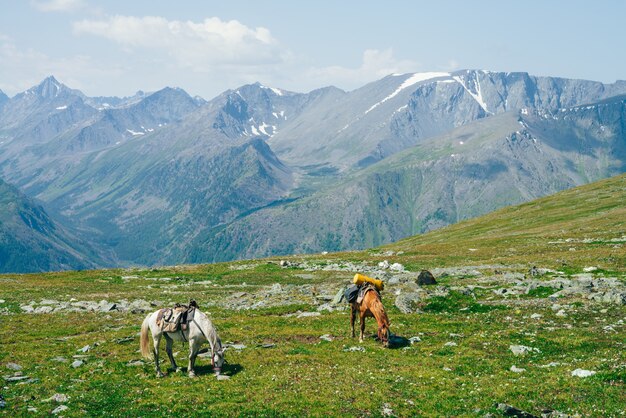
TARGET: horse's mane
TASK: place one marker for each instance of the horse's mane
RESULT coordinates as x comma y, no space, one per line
211,332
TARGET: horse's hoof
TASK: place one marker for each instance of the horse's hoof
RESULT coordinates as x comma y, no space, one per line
179,370
192,374
160,374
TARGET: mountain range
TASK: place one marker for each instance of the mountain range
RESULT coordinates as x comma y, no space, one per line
166,178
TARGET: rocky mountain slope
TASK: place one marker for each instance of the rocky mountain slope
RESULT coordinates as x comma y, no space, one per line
166,178
30,241
482,166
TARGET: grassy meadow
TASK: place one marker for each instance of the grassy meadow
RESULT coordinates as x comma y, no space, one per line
461,364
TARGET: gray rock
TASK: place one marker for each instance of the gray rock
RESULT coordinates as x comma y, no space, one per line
355,348
223,377
15,378
408,302
326,337
58,398
583,373
59,409
522,350
77,363
84,349
60,359
236,346
44,309
415,339
135,363
339,296
426,278
308,314
396,267
13,366
510,411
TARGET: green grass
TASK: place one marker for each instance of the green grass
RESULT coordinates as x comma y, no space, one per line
287,370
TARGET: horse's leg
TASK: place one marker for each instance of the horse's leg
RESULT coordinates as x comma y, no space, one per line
352,318
168,348
193,352
362,323
156,337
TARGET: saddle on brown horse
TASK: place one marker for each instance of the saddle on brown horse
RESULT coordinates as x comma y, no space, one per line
177,318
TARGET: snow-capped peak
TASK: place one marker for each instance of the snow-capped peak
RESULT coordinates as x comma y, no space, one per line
413,79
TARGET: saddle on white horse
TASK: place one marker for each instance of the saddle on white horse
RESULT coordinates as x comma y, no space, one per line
177,318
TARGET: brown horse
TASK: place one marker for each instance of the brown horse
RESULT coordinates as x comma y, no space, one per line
371,306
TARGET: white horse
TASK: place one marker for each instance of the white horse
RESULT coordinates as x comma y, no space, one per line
199,331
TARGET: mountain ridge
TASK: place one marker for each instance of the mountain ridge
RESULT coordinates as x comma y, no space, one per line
260,171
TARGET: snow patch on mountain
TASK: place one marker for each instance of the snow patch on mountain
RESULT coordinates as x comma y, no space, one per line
413,79
477,95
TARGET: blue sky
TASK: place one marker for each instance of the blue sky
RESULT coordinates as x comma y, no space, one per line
118,47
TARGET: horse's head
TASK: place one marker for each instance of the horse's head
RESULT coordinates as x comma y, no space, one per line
383,335
218,361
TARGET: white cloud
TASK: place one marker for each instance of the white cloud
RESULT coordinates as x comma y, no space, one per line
23,68
198,46
58,5
375,65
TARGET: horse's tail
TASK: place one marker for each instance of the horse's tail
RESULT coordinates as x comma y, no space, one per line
144,341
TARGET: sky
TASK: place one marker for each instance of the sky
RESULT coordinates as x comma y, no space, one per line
117,47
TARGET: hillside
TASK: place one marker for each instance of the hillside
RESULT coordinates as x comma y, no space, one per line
30,241
528,317
468,172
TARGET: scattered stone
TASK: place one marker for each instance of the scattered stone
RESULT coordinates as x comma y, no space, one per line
383,265
511,411
589,269
59,359
551,364
77,363
270,345
450,344
522,350
534,271
516,369
223,377
338,296
396,267
16,377
13,366
426,278
85,348
236,346
536,316
326,337
32,409
387,411
561,313
408,302
134,363
308,314
124,340
447,369
3,403
583,373
58,398
355,348
59,409
414,340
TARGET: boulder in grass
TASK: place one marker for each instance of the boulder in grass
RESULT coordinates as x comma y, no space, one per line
426,278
